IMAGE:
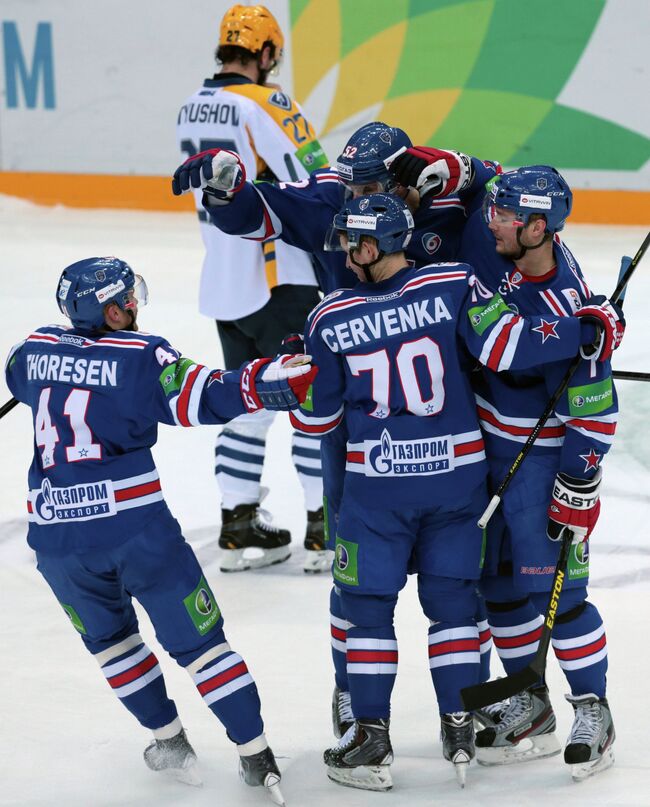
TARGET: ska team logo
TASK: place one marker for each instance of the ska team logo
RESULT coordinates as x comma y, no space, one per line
431,242
388,457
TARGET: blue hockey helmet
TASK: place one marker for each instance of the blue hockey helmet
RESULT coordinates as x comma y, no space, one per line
86,286
368,153
532,189
384,217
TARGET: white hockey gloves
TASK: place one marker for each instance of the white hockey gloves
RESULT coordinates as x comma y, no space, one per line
280,383
434,171
575,505
219,173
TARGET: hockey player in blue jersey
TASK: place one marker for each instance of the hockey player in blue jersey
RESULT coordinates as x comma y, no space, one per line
394,356
98,521
301,213
515,247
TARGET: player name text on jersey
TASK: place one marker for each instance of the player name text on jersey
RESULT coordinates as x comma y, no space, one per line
387,322
90,372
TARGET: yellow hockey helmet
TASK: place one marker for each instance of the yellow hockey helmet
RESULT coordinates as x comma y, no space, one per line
250,27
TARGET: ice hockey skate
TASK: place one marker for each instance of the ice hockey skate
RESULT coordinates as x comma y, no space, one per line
174,757
523,729
317,557
457,735
250,541
362,756
261,770
589,746
342,717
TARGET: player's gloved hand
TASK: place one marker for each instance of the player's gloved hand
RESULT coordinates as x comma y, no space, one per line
610,322
434,171
217,172
280,383
575,505
293,343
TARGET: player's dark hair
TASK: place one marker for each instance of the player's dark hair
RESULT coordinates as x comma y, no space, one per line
233,53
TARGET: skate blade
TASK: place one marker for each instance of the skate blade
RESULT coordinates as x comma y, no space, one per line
460,769
318,561
537,747
232,560
584,770
272,785
364,777
270,557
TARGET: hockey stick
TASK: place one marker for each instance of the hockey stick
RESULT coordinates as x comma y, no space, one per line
480,695
630,375
616,297
6,408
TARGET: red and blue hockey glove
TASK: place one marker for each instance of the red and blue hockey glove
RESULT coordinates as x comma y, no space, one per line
575,505
610,322
281,383
434,171
217,172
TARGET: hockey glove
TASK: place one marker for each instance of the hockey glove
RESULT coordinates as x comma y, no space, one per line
610,322
220,174
280,383
434,171
575,505
293,343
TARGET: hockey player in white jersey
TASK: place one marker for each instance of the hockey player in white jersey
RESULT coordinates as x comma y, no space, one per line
257,293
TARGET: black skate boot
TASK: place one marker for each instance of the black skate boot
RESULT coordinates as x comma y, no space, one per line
362,756
589,747
457,735
317,557
342,717
260,770
243,528
523,729
174,757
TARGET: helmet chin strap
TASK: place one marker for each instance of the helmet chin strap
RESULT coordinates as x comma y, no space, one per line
366,267
524,248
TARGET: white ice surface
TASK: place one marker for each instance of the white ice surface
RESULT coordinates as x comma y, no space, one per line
65,740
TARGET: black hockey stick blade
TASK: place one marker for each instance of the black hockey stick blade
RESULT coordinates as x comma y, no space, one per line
630,375
6,408
480,695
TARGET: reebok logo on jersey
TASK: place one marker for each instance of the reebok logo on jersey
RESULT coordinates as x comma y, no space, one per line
590,399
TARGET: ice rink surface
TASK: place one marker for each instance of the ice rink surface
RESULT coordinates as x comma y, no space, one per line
65,739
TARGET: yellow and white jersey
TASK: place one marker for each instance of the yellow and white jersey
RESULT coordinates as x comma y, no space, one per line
270,134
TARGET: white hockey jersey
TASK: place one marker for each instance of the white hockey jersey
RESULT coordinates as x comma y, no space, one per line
269,132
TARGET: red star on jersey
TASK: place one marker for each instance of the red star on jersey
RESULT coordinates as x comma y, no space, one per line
547,329
592,460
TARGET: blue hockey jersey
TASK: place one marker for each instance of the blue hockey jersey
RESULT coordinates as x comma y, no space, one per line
96,403
301,214
509,404
394,361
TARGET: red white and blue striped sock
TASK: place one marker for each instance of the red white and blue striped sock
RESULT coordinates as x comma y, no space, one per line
228,688
515,631
485,640
372,667
134,675
580,646
338,634
454,661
